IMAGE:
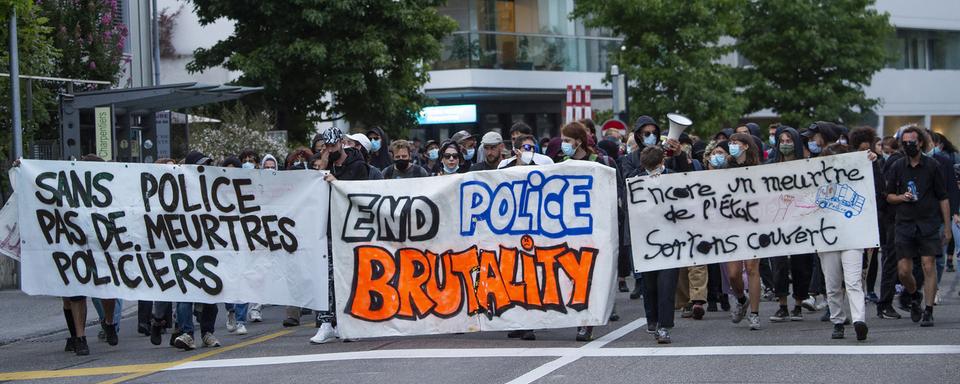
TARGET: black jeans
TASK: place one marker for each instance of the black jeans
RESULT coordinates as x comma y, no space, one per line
888,267
714,283
794,269
660,296
624,264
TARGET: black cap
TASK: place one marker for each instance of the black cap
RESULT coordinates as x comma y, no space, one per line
197,158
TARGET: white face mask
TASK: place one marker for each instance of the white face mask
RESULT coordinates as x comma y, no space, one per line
526,157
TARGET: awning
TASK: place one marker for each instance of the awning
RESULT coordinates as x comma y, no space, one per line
145,100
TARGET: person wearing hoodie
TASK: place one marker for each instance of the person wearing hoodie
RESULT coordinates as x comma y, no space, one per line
819,135
268,162
379,144
795,269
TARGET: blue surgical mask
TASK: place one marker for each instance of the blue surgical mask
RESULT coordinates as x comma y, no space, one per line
451,170
735,150
933,151
886,156
772,140
650,139
813,147
470,153
248,165
718,160
568,149
433,154
374,145
842,141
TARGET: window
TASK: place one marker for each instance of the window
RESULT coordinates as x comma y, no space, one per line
925,49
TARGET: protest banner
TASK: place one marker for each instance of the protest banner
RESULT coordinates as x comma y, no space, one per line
796,207
173,233
526,247
9,233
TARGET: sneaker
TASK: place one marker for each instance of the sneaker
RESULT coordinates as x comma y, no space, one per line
796,314
837,331
173,337
622,286
905,301
210,341
324,334
255,316
821,303
663,336
754,320
584,333
810,304
71,345
782,314
155,329
110,333
231,321
936,298
769,295
241,330
652,328
861,329
872,297
687,311
915,312
291,322
80,346
927,320
185,342
826,315
698,311
637,291
740,311
712,306
887,312
614,316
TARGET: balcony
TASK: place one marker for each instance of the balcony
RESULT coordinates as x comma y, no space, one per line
526,52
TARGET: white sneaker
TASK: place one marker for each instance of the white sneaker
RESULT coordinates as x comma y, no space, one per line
185,342
231,321
255,316
324,334
210,341
936,299
241,329
821,303
754,321
809,303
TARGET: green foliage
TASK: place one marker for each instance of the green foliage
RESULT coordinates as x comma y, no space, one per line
672,56
811,59
373,55
88,36
239,129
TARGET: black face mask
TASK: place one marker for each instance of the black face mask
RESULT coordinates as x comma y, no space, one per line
402,164
334,156
911,148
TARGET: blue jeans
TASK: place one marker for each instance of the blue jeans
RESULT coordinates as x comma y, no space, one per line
117,311
239,310
208,318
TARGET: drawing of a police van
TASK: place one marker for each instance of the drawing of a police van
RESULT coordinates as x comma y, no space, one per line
840,198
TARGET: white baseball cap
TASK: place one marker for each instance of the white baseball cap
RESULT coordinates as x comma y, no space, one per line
362,139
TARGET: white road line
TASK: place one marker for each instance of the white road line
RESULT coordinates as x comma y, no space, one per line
554,365
569,355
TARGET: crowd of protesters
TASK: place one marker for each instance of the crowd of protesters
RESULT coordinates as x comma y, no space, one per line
918,198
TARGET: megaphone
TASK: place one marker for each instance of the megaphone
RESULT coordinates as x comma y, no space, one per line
678,124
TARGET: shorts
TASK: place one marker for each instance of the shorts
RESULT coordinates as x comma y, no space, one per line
917,239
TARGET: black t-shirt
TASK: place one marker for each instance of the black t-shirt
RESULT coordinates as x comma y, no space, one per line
930,189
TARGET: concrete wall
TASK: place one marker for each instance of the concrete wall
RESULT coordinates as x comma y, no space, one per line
188,35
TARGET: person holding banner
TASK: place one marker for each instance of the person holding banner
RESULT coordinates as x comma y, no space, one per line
795,269
745,153
915,187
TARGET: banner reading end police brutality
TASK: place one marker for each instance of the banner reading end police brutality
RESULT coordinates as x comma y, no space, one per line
795,207
521,248
173,233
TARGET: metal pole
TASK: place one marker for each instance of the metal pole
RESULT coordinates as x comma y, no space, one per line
156,45
15,86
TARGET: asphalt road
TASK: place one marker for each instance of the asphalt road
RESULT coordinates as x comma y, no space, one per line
711,350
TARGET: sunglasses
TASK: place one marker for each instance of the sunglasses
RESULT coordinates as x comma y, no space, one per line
451,155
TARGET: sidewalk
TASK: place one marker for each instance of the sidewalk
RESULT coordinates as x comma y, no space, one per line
24,316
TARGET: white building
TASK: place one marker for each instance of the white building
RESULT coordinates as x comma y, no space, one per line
514,59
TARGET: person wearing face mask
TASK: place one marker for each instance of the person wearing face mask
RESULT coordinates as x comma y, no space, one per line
249,159
402,167
819,135
525,153
492,144
430,158
864,139
361,143
468,148
916,188
451,159
379,143
935,150
789,269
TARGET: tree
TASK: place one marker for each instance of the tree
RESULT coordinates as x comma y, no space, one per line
239,129
373,55
90,37
671,56
811,59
